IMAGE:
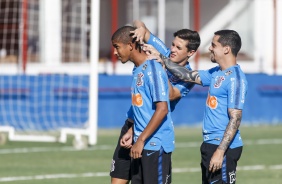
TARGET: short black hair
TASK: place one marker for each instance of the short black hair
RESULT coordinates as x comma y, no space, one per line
123,34
192,37
230,38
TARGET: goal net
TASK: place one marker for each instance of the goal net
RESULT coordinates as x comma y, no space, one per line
45,93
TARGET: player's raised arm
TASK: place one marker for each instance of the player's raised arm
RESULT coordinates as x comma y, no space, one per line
179,71
141,33
152,52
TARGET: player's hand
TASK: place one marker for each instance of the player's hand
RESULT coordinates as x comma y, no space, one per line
126,140
151,52
139,34
216,160
136,150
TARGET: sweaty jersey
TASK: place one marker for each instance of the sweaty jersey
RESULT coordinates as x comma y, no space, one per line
183,87
227,89
149,86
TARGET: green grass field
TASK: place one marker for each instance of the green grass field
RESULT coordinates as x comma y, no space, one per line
54,163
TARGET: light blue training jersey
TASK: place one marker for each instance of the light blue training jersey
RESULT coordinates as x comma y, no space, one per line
227,89
183,87
149,86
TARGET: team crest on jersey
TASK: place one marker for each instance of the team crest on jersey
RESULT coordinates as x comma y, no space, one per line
140,79
232,176
228,72
219,81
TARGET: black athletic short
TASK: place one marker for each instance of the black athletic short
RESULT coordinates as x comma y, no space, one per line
121,161
227,174
154,167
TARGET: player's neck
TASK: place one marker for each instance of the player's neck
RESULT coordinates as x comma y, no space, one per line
182,63
228,63
139,58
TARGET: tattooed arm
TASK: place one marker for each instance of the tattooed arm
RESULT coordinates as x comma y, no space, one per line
180,71
230,131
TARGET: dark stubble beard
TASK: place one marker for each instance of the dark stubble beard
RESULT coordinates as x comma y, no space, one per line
212,58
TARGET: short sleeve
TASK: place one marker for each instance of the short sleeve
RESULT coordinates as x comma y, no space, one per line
158,45
206,75
237,90
158,82
184,87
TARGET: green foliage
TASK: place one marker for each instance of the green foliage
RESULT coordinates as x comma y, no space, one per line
262,152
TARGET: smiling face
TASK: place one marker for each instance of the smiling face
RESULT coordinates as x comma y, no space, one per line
121,51
179,52
216,49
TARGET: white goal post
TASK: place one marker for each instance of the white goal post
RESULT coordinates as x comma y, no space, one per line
94,55
47,95
91,130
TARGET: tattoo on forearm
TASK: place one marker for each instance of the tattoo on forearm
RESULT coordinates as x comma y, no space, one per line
181,72
231,129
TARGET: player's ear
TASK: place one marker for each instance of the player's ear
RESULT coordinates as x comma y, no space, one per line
227,49
190,53
131,46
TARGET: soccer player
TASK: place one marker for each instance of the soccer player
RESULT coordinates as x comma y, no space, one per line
153,126
184,45
222,143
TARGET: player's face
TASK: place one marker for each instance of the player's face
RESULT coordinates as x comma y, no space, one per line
216,49
121,51
179,52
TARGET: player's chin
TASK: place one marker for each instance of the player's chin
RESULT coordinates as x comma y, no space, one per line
173,59
122,60
212,58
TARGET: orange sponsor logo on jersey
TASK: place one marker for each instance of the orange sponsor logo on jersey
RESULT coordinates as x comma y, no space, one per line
212,102
137,99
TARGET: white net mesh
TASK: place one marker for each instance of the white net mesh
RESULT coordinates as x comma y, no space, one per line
9,32
75,30
47,101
